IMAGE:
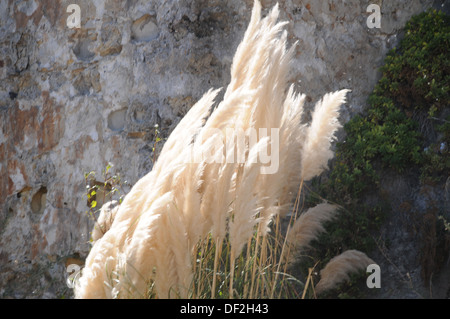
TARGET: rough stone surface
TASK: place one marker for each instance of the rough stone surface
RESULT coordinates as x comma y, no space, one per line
73,100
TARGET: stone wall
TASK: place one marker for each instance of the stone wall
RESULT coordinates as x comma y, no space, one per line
74,100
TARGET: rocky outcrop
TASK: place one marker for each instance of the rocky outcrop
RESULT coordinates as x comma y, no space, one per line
73,100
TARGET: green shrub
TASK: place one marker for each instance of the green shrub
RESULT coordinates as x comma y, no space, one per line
416,74
414,86
436,168
415,78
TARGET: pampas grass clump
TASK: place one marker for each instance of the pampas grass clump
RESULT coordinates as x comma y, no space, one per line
200,228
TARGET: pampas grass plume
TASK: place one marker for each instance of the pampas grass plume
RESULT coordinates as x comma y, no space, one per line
320,135
105,220
310,224
340,267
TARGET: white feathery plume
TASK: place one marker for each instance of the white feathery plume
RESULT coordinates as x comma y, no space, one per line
245,207
189,125
104,220
319,135
145,250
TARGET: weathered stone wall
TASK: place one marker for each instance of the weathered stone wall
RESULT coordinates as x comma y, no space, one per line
72,100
